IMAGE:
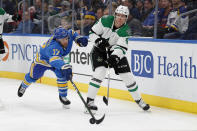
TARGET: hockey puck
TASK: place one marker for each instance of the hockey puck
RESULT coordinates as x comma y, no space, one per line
92,121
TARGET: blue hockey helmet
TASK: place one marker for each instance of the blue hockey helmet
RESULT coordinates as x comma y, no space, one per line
60,33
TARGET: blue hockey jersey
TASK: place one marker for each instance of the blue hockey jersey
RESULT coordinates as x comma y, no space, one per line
52,52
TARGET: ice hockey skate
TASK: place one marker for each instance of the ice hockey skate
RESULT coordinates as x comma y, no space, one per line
65,102
143,105
21,91
91,105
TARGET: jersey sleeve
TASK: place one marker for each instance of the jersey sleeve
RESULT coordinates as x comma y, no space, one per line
6,17
77,37
73,34
55,57
121,45
96,30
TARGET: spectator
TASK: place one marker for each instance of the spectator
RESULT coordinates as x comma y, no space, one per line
76,4
56,7
66,22
86,4
24,6
25,25
191,33
38,23
9,6
149,21
38,9
134,11
99,13
148,24
57,3
89,20
148,7
82,10
161,29
167,5
65,6
191,4
50,9
114,6
176,24
140,7
97,3
135,25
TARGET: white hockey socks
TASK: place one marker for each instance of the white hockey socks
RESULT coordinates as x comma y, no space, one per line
94,86
131,85
133,89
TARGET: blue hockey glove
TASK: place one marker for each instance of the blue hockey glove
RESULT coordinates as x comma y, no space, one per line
101,43
82,41
113,60
67,72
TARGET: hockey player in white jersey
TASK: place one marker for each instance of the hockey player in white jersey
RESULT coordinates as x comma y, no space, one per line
4,17
110,37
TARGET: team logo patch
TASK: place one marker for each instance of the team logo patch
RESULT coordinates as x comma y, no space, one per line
99,59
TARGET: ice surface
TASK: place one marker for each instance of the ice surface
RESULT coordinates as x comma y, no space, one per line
40,110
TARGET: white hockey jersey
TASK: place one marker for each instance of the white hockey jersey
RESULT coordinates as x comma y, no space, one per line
118,38
4,17
176,22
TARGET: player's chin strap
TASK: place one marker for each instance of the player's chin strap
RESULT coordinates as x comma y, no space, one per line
92,120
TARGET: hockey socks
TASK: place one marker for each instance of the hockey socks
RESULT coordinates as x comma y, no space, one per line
133,89
25,84
94,86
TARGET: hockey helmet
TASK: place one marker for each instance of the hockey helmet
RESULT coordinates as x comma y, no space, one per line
60,33
122,10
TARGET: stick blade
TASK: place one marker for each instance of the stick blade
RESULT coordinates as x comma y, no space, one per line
100,120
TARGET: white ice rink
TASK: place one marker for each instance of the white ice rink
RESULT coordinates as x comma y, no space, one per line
40,110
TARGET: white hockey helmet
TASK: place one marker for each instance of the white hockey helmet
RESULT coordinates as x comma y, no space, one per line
122,10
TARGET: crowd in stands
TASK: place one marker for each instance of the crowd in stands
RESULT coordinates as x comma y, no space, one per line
43,18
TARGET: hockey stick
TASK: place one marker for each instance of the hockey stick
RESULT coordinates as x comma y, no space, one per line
106,100
92,120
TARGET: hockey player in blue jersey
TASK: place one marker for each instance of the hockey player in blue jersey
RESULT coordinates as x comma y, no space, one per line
50,57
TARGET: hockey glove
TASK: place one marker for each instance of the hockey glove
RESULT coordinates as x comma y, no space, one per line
82,41
2,49
101,43
113,60
67,72
16,17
